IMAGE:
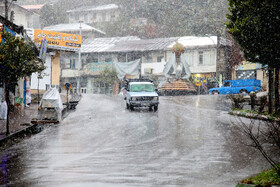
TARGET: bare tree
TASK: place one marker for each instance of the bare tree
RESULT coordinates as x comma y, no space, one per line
261,134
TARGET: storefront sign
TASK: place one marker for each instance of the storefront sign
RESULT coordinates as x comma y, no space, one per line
57,40
245,65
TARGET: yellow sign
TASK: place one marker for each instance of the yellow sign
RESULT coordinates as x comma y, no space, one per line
58,40
245,65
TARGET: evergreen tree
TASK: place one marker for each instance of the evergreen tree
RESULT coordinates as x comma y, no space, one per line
254,25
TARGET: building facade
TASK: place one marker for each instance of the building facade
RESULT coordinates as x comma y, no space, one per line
200,53
93,15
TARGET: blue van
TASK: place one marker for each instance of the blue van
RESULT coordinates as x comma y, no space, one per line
238,86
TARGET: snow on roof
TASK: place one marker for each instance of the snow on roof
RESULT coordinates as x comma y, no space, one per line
72,27
95,8
193,41
33,7
98,45
131,43
143,45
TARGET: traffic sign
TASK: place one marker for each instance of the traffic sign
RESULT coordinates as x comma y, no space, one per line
67,86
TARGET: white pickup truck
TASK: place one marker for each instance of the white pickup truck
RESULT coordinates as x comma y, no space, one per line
140,93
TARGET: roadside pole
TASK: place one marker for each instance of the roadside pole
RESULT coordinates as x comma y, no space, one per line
67,87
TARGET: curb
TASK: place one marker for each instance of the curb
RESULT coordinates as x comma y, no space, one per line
32,129
254,116
245,185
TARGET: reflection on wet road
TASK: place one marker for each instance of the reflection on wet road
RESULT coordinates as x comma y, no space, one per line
190,141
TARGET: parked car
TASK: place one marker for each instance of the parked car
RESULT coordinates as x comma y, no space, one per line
237,86
140,93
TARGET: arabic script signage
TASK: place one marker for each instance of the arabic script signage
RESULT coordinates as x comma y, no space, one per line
57,40
96,67
245,65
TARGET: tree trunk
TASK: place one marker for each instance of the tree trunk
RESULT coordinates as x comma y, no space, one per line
6,92
270,89
276,87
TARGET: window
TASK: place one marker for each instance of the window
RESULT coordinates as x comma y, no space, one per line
227,84
103,16
83,63
142,88
77,17
113,16
149,58
84,90
86,18
72,64
95,60
108,59
200,53
209,58
159,58
121,57
190,59
93,19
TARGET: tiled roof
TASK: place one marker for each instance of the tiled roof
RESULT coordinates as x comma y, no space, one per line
72,27
95,8
99,45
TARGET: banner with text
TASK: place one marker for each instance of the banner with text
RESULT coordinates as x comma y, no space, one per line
57,40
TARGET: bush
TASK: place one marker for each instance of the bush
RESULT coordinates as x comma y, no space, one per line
237,100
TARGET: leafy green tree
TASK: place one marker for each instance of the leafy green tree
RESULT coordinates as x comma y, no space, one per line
255,26
108,77
17,60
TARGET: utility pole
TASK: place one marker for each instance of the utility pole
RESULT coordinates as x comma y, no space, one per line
6,9
79,63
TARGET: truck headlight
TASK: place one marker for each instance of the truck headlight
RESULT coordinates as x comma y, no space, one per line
133,98
155,98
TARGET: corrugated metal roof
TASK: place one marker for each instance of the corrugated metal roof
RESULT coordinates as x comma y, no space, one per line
130,44
99,45
95,8
142,45
72,27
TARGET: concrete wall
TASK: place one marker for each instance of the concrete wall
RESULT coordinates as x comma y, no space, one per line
22,16
46,74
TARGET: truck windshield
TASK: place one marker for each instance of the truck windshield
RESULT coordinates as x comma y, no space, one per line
142,88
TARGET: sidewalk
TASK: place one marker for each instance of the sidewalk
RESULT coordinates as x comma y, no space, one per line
19,120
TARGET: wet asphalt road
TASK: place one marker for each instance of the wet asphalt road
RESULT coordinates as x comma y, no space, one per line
190,141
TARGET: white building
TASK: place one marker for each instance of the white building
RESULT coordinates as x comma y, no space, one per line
22,17
96,14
